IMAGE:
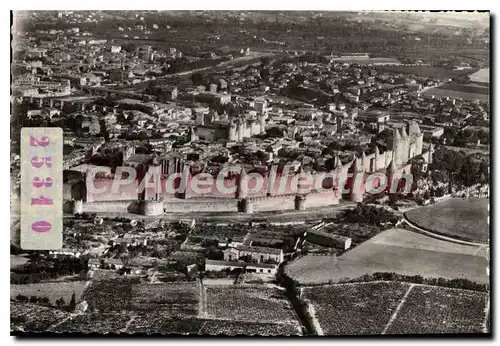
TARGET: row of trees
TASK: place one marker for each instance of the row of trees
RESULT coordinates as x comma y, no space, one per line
418,279
462,169
461,138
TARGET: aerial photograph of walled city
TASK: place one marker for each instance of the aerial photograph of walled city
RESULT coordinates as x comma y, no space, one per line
262,173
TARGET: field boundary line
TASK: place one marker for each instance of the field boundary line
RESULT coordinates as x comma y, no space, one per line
400,305
312,312
203,305
486,313
64,320
129,322
481,248
201,328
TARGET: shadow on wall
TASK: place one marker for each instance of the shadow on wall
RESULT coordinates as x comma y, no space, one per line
133,208
79,191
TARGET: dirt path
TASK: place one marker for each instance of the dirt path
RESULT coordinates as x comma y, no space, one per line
129,322
315,322
51,327
400,305
202,305
486,327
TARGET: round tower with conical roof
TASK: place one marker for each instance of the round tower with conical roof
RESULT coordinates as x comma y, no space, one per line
391,175
357,186
241,191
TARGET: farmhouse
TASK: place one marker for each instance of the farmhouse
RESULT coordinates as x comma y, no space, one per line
265,268
253,253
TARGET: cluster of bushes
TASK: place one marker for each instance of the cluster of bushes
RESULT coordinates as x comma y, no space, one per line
228,273
365,214
33,299
60,303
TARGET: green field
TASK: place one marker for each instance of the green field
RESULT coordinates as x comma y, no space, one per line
464,219
396,250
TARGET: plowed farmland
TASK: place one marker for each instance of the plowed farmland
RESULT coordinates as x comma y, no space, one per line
255,304
436,310
355,309
396,308
33,318
218,327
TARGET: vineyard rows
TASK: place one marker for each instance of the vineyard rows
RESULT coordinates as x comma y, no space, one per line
372,308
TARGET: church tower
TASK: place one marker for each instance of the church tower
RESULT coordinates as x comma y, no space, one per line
391,172
241,192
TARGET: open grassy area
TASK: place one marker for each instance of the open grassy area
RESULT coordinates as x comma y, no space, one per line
464,219
396,250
